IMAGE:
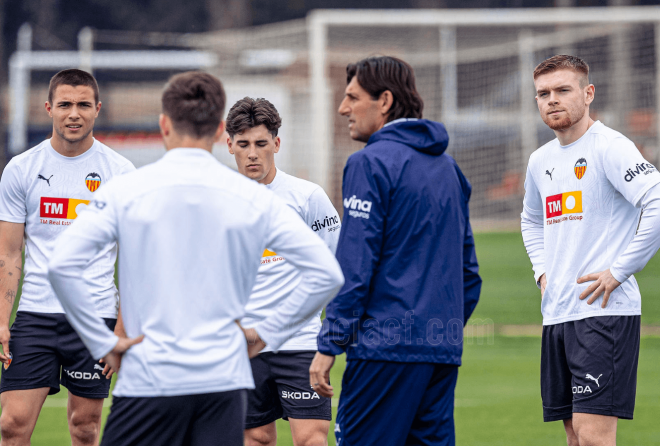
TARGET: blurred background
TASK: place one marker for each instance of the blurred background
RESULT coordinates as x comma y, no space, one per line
473,61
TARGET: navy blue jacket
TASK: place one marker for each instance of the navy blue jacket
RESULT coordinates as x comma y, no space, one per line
406,250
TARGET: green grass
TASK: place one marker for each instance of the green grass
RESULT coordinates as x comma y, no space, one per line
498,396
498,400
509,295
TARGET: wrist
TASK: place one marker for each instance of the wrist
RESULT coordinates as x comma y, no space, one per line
618,275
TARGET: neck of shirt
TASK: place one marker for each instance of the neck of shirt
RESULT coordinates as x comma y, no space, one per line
72,159
568,146
187,153
279,175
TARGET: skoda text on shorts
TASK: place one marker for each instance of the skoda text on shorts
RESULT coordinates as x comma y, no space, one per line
189,360
587,229
407,252
42,192
281,381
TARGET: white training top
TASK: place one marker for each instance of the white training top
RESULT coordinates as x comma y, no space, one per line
277,279
191,233
46,191
580,214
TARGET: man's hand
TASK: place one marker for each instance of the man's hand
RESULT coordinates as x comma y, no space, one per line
120,333
255,344
543,282
4,340
319,374
113,359
604,283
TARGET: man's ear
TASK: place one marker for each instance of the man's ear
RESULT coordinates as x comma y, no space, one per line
385,101
219,131
229,144
591,91
165,125
277,144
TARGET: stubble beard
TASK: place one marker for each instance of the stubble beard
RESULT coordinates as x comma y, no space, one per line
574,115
74,140
356,135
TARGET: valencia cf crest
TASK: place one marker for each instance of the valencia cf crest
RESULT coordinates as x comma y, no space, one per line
580,168
93,181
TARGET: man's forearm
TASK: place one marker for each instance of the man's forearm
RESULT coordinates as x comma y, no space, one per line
646,241
533,238
119,330
73,248
10,277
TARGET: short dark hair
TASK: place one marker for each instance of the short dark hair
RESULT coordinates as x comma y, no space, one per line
564,62
195,102
248,113
75,78
378,74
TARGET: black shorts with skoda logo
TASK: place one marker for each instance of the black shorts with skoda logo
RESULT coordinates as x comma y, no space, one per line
282,389
48,352
590,366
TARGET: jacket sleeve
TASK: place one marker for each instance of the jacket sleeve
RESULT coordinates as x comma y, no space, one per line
471,278
366,190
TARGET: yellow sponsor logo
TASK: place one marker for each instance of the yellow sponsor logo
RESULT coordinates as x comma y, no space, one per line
268,253
73,204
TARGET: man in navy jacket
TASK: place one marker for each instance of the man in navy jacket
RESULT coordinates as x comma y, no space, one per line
407,254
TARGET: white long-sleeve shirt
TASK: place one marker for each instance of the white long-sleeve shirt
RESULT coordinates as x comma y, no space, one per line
581,215
191,233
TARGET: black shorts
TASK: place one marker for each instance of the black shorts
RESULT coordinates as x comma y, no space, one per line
48,352
590,366
185,420
282,389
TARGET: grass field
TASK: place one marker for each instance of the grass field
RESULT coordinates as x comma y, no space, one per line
498,398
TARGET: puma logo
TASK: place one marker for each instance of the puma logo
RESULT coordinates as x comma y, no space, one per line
594,379
47,180
98,367
550,173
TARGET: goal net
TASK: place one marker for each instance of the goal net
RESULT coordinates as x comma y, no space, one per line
473,69
474,72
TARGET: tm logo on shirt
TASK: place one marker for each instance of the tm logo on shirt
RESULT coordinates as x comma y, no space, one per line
357,208
561,204
60,208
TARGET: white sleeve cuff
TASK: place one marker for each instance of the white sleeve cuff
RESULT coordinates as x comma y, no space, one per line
272,340
103,349
537,277
618,275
